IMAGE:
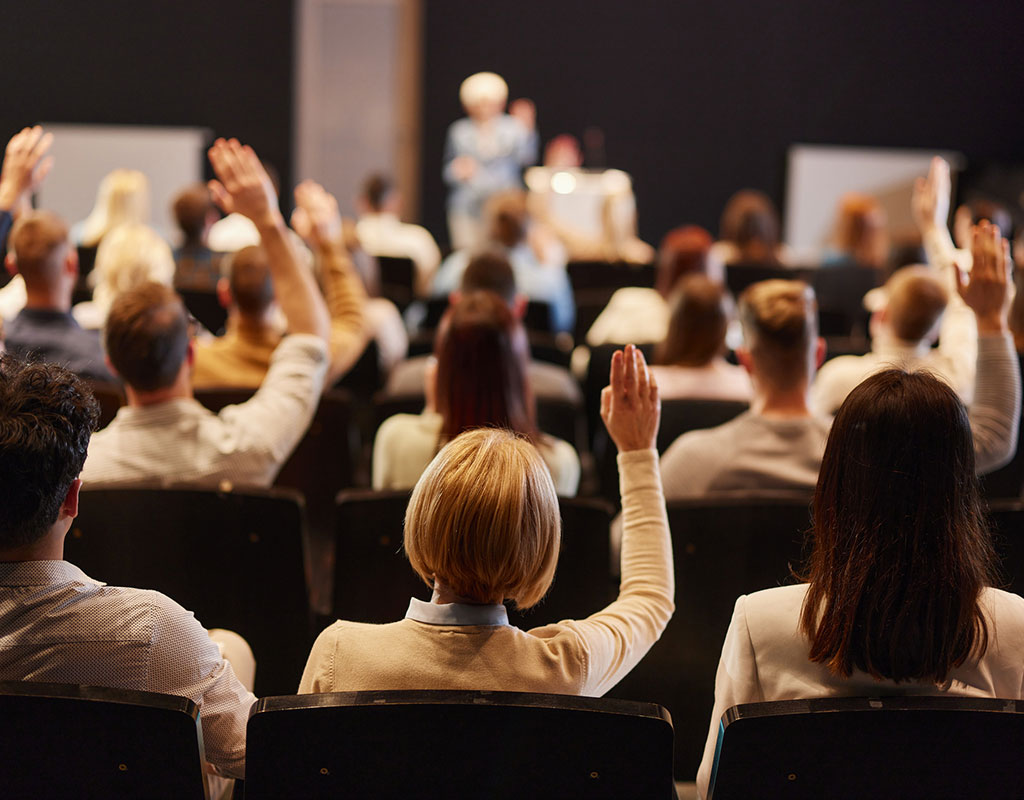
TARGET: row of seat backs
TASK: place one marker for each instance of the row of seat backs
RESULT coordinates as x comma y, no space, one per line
74,741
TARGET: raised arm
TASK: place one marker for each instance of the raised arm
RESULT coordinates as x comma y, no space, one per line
617,637
929,206
25,166
995,413
243,186
317,220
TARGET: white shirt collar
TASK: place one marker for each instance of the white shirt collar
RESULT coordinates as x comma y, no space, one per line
456,613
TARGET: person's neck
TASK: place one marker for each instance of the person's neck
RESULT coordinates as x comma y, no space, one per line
179,390
54,299
782,403
443,595
252,325
49,548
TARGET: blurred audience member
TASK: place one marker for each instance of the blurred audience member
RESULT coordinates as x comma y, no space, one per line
163,434
491,272
748,233
122,199
485,152
242,356
128,256
45,329
909,313
538,263
861,235
479,379
690,361
196,265
381,231
639,314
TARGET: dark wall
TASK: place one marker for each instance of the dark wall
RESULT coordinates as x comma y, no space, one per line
223,64
699,99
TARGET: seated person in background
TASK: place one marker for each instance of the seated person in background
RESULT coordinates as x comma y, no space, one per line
690,360
479,379
592,211
128,256
909,312
484,153
491,272
45,329
381,231
641,314
163,434
121,199
539,266
242,356
196,265
899,593
483,527
778,443
57,624
748,234
861,235
25,166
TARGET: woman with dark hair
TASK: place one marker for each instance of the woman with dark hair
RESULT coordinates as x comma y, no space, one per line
691,359
748,233
898,593
478,379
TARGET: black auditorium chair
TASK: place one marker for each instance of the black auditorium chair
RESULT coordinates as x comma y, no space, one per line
438,745
856,747
739,276
234,558
373,580
723,547
840,291
66,740
1006,519
204,305
397,280
110,397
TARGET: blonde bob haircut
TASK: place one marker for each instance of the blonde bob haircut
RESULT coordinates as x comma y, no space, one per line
483,86
484,519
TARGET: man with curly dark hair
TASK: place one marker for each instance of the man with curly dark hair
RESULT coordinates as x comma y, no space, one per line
56,623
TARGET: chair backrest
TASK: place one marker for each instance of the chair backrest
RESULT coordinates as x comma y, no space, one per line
373,580
397,280
1006,519
840,291
65,740
723,547
871,747
236,559
205,307
457,744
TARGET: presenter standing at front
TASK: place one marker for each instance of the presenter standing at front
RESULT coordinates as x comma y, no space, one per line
485,152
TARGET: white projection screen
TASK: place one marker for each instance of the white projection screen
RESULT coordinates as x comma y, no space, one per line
818,176
170,158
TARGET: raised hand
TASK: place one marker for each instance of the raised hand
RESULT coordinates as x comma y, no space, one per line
242,185
525,111
630,405
930,201
987,289
25,166
316,217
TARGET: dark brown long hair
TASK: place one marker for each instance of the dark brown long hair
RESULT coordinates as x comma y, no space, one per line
901,551
697,325
482,354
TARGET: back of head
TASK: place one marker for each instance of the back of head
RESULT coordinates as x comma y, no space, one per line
129,256
39,240
146,336
481,356
861,229
252,289
780,329
697,326
490,272
683,251
483,87
484,519
915,300
901,551
749,221
46,418
376,189
507,217
192,208
122,199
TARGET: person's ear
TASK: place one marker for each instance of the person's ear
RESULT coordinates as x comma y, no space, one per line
71,262
820,351
10,264
190,354
454,297
110,366
430,384
743,356
519,306
69,508
224,293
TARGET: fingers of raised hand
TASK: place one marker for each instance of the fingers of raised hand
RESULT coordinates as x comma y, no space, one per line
629,377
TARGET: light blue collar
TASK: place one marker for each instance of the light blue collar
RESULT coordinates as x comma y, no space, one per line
456,613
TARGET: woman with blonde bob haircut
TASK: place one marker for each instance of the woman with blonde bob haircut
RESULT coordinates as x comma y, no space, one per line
483,527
